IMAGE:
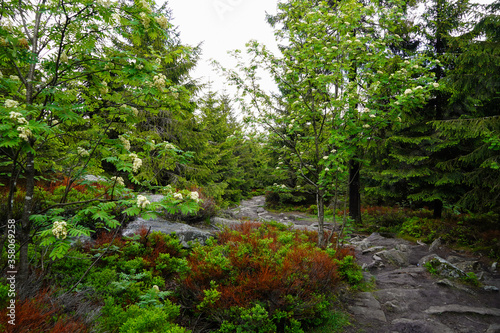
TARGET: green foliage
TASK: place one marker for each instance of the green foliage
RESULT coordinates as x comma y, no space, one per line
350,271
471,278
75,262
234,280
139,319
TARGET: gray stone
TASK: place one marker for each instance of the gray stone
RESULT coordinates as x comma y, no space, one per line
494,328
395,257
455,308
435,245
490,288
368,307
261,210
186,233
456,285
494,266
402,247
442,267
420,326
372,249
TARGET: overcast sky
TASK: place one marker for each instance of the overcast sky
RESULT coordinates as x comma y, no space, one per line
222,25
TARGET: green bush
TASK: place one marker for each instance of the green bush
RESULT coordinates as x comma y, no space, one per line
260,271
350,271
133,319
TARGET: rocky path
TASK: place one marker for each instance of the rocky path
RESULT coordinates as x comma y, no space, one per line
405,297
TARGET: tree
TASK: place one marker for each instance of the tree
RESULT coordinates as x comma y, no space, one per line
69,94
336,85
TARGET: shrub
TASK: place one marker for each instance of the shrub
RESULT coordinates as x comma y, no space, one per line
41,314
134,318
259,270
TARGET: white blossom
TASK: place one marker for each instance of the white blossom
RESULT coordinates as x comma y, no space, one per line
125,142
435,84
142,201
64,57
59,229
372,116
145,19
135,111
408,91
162,21
104,89
82,151
159,80
194,196
118,180
326,169
9,103
366,126
25,133
333,151
169,145
178,196
144,4
14,77
115,19
137,162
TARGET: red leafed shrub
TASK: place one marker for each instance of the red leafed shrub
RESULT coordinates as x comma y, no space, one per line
41,315
279,269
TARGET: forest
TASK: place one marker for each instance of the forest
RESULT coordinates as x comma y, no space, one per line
385,117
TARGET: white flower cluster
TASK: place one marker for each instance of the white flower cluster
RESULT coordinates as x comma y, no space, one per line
194,196
104,89
168,145
64,57
125,142
281,186
105,3
118,180
137,163
18,117
145,5
162,21
59,229
366,126
145,19
115,19
135,111
25,133
82,152
14,77
142,201
178,196
159,81
9,103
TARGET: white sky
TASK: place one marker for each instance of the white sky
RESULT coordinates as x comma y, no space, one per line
222,26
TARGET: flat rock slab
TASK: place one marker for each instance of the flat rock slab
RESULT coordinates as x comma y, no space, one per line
405,325
456,308
366,306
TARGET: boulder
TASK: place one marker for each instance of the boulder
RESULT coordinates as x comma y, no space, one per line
394,257
442,267
435,245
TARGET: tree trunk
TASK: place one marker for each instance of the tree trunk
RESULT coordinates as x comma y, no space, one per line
320,201
25,223
438,209
354,195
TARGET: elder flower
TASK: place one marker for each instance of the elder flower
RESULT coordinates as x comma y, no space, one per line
145,19
159,80
435,84
142,201
118,180
59,229
137,163
366,126
178,196
162,21
9,103
325,157
408,91
194,196
25,133
125,142
82,152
